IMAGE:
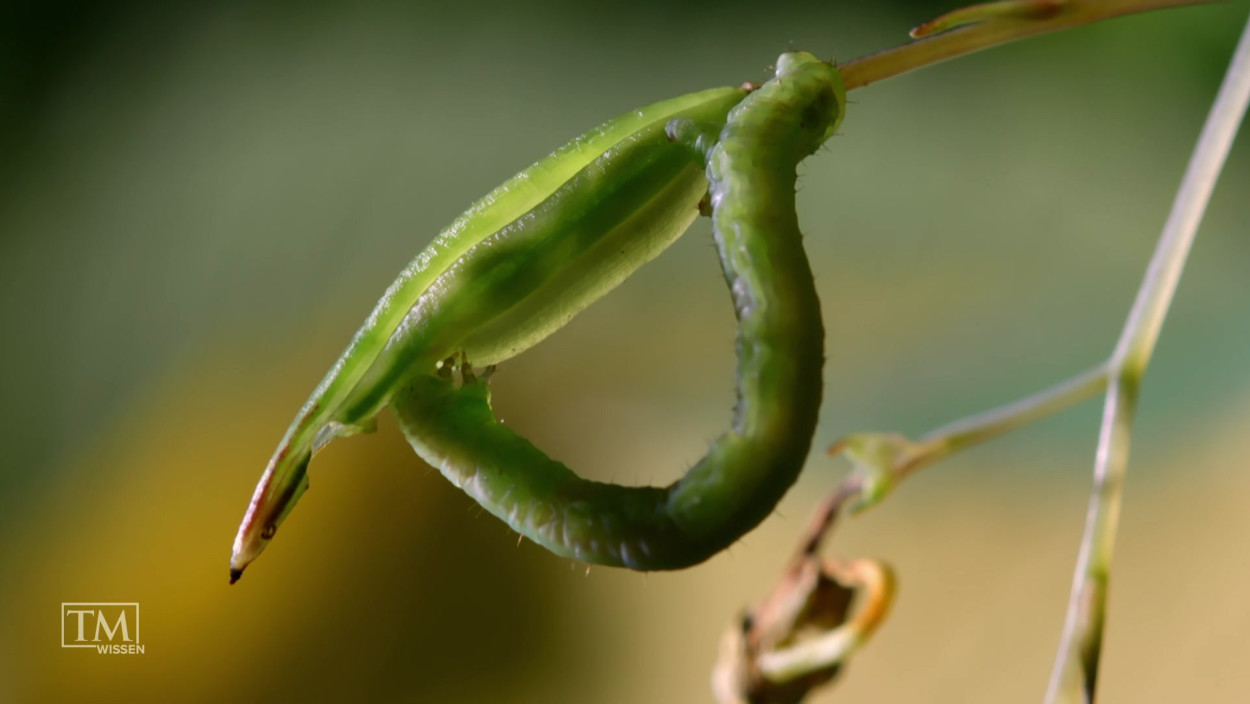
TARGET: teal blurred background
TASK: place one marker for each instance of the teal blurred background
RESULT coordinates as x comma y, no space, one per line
199,204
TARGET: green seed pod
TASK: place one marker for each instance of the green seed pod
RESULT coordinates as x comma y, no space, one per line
751,170
508,272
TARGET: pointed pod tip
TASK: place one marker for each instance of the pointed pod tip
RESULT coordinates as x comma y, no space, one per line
235,574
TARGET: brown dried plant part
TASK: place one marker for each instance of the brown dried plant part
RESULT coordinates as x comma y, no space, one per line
801,635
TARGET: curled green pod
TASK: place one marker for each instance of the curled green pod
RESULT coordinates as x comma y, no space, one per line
512,269
751,171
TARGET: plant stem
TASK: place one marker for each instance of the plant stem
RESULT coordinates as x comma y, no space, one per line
1075,674
976,429
885,459
893,457
995,23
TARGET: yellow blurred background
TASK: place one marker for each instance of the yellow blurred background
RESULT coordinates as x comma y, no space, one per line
198,205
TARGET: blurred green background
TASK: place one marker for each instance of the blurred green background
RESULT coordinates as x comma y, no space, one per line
200,202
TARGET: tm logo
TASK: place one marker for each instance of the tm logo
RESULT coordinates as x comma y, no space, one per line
110,627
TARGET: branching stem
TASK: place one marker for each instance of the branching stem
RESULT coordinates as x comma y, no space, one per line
1075,673
885,459
976,429
890,458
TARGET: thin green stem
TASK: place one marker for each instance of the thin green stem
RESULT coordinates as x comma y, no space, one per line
983,26
885,459
976,429
1075,674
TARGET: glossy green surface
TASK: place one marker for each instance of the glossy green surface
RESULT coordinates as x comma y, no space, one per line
515,267
751,171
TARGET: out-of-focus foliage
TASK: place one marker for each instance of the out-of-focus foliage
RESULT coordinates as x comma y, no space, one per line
199,203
